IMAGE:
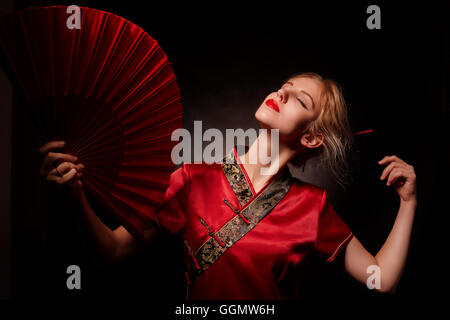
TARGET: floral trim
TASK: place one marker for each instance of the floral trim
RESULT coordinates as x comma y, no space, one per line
236,178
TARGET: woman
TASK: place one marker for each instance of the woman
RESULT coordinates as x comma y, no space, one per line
247,234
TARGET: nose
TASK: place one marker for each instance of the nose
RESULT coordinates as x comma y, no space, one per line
281,95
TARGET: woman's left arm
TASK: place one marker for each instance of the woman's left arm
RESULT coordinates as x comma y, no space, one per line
391,257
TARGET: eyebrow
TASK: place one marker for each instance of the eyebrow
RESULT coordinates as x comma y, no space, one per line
312,100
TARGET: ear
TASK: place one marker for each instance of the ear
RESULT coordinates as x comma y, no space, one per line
309,140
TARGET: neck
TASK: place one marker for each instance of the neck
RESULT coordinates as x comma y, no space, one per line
255,168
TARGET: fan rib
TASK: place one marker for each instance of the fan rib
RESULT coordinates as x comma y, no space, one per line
158,90
75,44
133,125
139,86
111,50
99,29
123,63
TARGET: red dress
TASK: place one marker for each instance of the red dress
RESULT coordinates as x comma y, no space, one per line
242,245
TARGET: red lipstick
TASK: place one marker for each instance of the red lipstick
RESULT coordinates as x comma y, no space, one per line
271,103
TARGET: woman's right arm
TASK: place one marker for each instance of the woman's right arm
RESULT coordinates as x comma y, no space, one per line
109,246
112,245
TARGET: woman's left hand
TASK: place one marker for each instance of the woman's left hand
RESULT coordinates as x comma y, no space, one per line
401,176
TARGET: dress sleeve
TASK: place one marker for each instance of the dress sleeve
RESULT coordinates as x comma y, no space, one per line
333,234
171,216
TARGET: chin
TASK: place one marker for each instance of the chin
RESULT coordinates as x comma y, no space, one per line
264,118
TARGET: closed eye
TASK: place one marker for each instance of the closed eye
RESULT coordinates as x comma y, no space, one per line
303,104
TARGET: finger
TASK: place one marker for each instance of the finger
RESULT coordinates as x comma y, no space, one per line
60,171
53,158
388,170
51,146
67,177
53,176
384,160
65,167
392,166
389,159
395,175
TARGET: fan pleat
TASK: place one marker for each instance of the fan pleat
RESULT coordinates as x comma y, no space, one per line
124,64
71,83
133,83
91,67
109,91
160,92
100,136
157,120
109,48
139,141
90,134
130,217
140,116
93,119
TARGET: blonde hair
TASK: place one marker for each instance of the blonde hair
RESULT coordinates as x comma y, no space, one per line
333,124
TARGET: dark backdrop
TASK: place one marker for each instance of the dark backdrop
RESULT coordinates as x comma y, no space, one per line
227,58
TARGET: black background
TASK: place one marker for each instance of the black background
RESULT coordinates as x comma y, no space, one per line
227,57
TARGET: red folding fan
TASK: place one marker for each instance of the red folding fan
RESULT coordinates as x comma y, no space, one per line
108,90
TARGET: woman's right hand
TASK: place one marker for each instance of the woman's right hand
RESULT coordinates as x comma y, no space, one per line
61,168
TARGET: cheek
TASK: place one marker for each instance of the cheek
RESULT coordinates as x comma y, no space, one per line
292,120
289,121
